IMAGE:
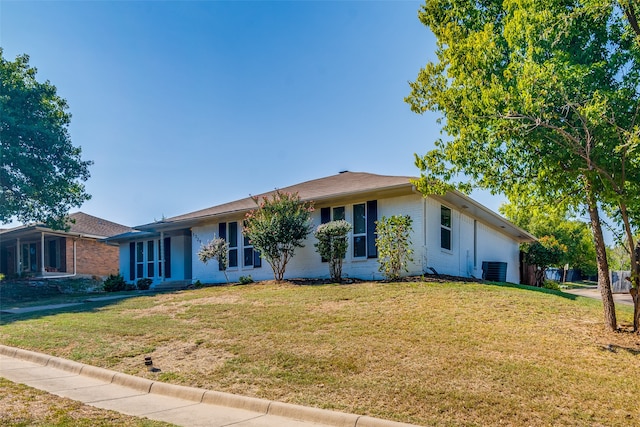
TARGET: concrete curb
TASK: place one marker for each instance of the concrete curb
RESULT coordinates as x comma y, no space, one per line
198,395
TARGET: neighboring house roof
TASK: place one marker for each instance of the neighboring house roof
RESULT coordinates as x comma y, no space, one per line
81,224
343,186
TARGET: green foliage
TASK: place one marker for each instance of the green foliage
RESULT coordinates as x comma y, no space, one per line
216,249
245,280
114,283
546,252
550,284
144,284
332,245
537,99
277,227
619,258
394,245
553,221
198,284
41,172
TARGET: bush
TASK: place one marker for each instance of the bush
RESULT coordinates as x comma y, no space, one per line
278,226
245,280
332,245
143,284
114,283
394,245
550,284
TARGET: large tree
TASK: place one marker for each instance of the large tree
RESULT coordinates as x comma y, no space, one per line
537,97
41,172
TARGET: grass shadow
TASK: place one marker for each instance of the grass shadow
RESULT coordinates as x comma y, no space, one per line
80,305
562,294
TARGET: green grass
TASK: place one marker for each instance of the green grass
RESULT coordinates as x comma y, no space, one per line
425,353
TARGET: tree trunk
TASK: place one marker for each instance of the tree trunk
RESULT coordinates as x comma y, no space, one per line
634,255
604,282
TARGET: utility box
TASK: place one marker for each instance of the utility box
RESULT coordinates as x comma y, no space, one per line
494,271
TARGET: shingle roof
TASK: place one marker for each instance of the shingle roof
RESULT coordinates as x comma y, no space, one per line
344,183
83,223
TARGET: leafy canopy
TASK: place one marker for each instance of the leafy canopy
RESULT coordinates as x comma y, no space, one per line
41,172
537,98
277,227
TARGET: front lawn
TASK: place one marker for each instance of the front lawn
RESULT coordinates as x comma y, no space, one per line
424,353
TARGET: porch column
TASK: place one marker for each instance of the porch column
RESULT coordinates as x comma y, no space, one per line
161,252
18,257
42,253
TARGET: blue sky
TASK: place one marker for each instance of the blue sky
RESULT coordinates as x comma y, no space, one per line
183,105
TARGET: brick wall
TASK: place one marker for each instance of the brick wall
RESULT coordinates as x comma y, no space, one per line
93,258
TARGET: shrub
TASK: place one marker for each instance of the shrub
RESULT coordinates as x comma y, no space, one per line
332,245
550,284
245,280
277,227
393,243
143,284
216,249
114,283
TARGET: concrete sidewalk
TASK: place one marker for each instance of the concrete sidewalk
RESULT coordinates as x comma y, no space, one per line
594,292
183,406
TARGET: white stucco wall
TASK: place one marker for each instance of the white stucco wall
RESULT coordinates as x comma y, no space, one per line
468,248
487,245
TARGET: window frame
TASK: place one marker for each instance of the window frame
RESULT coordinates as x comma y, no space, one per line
446,230
361,236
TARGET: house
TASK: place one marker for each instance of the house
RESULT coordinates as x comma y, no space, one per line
452,234
36,250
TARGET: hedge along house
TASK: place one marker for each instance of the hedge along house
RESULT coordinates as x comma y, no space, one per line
36,250
452,234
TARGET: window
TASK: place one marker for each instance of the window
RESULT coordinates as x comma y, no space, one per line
365,216
150,258
233,244
140,259
338,213
250,255
445,228
359,231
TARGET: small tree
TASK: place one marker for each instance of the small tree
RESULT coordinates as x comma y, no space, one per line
393,242
546,252
332,245
277,227
216,249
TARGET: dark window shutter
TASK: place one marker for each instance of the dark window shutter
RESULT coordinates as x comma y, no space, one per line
257,261
325,215
132,261
372,217
167,257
